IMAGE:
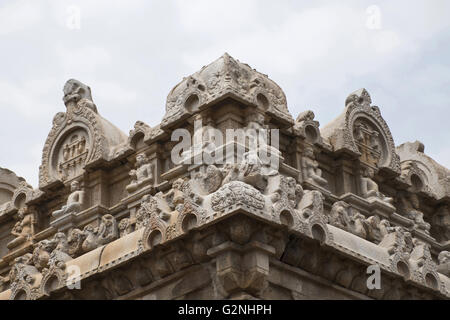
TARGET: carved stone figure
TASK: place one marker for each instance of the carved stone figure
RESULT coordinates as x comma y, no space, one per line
422,265
143,175
311,168
256,131
409,204
358,225
345,217
237,193
368,142
90,238
398,240
78,92
74,154
369,188
61,243
2,284
307,115
251,170
75,201
75,241
311,204
377,229
230,172
23,229
338,216
441,224
285,193
420,254
223,76
210,180
149,205
125,227
204,136
41,254
444,263
245,230
22,268
107,231
43,251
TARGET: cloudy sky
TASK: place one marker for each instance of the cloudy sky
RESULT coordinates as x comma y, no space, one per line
131,53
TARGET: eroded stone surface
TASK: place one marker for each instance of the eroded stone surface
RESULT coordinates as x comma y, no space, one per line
114,216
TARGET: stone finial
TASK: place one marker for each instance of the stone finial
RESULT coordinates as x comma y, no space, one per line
360,97
78,93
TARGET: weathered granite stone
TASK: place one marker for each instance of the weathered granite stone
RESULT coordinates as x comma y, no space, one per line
115,217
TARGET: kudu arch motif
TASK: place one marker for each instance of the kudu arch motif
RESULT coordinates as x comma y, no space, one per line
115,217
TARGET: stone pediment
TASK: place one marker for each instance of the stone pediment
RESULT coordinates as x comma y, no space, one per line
9,182
79,136
361,130
223,78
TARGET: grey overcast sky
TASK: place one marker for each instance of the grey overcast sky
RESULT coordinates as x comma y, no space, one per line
131,53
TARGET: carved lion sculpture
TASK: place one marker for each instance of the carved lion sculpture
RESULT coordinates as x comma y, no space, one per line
80,93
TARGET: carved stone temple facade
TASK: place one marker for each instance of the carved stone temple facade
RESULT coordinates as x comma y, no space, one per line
114,217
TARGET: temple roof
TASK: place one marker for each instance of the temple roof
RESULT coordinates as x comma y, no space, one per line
223,78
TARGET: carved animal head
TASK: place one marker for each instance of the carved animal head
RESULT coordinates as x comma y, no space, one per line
75,90
41,254
414,200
